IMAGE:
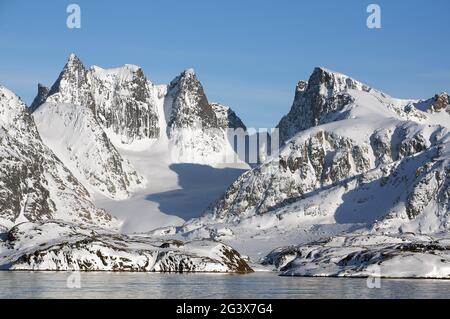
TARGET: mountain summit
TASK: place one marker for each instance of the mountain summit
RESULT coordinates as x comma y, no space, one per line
317,100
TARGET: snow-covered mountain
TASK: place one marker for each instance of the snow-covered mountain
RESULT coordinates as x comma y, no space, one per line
89,116
317,101
68,124
354,157
127,139
194,129
361,180
35,185
47,219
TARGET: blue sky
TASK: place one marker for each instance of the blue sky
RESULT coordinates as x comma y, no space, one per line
248,54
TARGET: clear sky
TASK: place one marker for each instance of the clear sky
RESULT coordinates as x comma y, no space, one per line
248,54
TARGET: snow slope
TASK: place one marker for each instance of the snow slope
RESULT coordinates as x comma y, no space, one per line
176,192
75,136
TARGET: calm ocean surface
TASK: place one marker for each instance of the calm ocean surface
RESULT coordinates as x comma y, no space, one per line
256,285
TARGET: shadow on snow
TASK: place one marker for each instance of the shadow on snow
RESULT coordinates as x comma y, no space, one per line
200,185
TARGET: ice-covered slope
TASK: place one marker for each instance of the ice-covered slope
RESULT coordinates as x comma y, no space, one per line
357,158
35,185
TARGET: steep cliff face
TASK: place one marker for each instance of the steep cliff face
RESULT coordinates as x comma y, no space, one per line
40,98
125,102
193,128
190,106
317,101
35,184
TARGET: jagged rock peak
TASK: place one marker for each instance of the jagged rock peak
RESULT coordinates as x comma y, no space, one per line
190,106
40,98
72,85
186,75
316,100
333,81
73,67
440,102
74,60
189,72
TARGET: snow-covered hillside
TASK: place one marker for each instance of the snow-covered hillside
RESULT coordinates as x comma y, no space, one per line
360,255
47,219
35,185
57,245
353,158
